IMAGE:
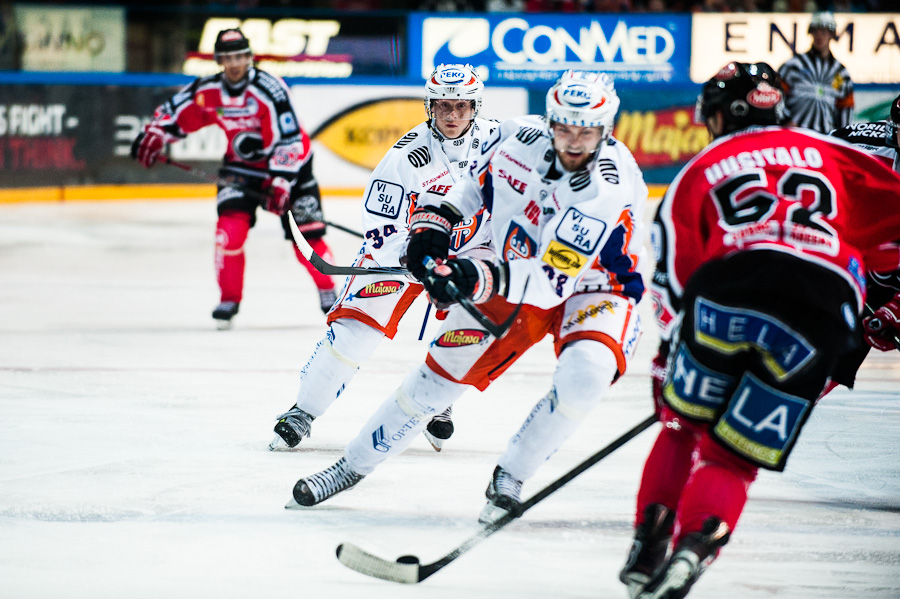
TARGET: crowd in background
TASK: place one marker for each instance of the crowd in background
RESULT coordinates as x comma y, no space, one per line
560,6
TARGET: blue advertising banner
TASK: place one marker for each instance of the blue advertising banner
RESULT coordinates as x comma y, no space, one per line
534,49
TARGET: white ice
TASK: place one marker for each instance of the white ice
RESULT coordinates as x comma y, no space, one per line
134,462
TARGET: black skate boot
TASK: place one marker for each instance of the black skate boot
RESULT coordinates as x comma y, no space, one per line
223,314
694,553
292,427
649,548
327,297
439,429
317,488
504,497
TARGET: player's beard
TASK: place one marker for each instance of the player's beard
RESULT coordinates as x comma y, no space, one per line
574,162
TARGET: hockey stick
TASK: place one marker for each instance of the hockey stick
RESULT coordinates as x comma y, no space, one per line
497,330
407,568
330,269
201,174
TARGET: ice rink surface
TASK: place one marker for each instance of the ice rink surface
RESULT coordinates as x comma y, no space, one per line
134,461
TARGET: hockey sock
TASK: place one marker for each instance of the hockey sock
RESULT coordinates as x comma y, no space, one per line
400,419
334,363
321,248
717,487
231,233
584,372
666,470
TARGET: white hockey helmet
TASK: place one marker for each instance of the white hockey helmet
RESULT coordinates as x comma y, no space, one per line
453,82
823,20
585,99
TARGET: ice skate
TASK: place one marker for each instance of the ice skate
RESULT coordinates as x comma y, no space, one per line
223,314
291,428
327,297
317,488
649,548
694,553
504,497
439,429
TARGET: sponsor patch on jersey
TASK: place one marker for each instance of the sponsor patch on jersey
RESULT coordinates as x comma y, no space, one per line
593,310
288,123
380,289
518,244
761,423
564,259
384,199
579,231
694,390
461,338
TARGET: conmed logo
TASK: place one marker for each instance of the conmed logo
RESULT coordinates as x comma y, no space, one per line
535,43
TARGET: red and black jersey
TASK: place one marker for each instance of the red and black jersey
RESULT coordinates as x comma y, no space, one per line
788,190
258,119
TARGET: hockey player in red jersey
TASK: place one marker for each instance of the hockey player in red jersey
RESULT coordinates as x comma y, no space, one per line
882,326
759,288
268,156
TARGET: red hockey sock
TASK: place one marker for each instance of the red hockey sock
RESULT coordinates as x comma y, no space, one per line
666,470
231,233
717,487
322,249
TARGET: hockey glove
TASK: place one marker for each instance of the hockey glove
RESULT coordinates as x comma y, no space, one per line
658,377
429,235
278,190
883,327
474,279
307,209
147,146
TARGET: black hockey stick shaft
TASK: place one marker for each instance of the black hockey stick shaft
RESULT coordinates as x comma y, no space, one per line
201,174
411,573
497,330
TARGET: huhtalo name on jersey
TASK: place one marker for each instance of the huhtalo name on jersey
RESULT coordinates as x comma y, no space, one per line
780,156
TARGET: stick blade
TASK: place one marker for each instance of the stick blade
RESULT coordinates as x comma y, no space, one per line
299,240
364,562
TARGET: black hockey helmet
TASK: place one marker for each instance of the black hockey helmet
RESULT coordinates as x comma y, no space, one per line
231,41
893,124
745,93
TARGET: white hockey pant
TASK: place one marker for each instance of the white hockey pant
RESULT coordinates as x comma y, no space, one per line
334,362
584,373
400,419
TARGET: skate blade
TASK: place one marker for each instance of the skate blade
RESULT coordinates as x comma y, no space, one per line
278,444
435,442
223,325
491,513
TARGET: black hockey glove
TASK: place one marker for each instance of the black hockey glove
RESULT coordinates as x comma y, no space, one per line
429,235
474,279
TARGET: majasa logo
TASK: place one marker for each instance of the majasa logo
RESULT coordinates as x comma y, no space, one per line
379,289
461,337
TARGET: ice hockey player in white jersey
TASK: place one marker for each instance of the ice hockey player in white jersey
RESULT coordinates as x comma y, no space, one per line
424,163
567,203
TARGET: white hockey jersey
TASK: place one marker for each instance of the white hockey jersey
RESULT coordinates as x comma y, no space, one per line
562,232
422,164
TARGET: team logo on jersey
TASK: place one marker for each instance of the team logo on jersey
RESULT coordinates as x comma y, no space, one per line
518,244
248,146
564,259
461,338
463,232
380,289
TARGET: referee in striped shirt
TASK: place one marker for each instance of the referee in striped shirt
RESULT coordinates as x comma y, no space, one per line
818,89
